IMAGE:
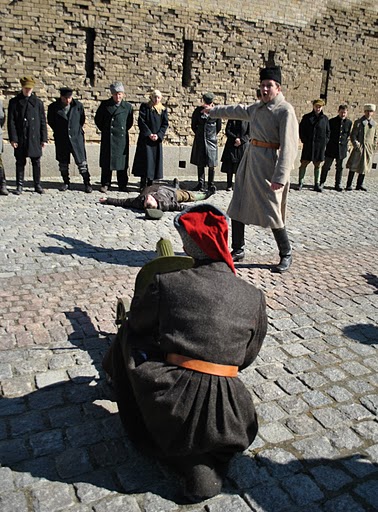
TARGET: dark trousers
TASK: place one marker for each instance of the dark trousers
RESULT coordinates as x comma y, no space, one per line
106,177
20,170
326,167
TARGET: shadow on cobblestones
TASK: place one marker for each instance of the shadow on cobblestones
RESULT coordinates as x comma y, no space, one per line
128,257
372,279
364,333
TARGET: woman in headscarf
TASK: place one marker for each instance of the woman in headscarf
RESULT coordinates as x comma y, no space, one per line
153,123
174,362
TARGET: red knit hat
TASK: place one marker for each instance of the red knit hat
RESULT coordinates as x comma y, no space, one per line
207,226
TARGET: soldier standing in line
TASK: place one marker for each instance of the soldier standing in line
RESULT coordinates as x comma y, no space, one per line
337,147
27,131
66,117
3,183
364,137
114,118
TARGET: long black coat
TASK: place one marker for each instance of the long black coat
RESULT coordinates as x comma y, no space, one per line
205,145
205,313
68,130
27,125
337,146
235,129
114,123
148,160
314,133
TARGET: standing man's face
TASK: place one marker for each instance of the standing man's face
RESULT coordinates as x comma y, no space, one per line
369,114
269,90
26,91
117,96
343,113
318,109
66,100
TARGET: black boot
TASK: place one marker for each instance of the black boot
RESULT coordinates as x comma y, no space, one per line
229,182
64,172
200,187
122,180
36,164
210,181
237,231
284,248
323,177
86,180
338,175
360,181
349,181
20,171
3,183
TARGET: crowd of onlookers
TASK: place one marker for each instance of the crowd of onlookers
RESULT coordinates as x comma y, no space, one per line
324,140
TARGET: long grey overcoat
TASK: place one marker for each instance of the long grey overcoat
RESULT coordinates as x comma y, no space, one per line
364,137
114,123
253,201
205,145
206,313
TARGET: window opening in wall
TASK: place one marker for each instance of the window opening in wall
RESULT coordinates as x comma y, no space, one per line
187,63
90,36
271,56
325,79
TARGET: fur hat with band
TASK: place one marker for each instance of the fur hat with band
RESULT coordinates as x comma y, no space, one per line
204,233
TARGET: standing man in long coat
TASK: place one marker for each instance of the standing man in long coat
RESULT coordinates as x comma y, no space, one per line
27,132
114,118
364,138
66,118
263,178
175,361
153,124
3,183
337,147
205,145
314,133
237,133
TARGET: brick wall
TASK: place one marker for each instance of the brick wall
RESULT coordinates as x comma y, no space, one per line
142,44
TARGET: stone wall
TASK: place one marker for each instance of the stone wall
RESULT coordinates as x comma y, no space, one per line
86,44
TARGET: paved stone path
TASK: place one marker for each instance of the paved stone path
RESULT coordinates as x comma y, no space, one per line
64,261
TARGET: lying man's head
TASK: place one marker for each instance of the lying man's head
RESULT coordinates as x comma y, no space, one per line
150,202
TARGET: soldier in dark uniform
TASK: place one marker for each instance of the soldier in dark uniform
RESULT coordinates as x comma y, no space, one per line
205,145
114,118
337,147
66,117
175,360
27,132
314,134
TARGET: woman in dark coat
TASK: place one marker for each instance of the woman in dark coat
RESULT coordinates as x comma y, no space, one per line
153,123
237,133
205,145
114,118
175,368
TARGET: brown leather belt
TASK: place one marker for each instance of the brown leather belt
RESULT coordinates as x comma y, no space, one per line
221,370
261,144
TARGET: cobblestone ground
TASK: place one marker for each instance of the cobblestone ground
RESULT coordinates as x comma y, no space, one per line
64,261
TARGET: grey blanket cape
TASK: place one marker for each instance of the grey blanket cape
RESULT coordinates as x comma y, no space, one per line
206,313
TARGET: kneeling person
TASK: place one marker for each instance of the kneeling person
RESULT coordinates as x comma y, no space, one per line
175,369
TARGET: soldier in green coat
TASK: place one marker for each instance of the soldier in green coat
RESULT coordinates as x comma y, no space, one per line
114,118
